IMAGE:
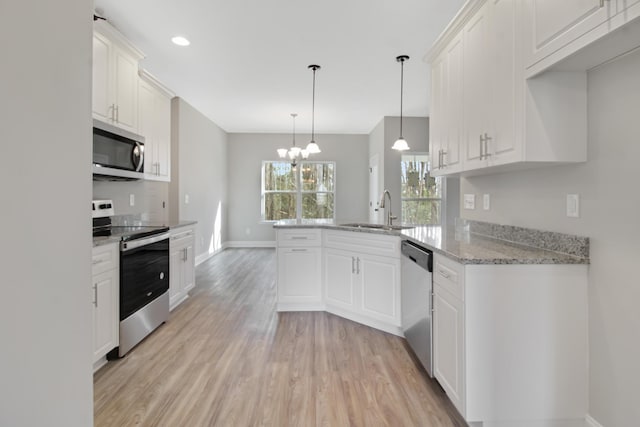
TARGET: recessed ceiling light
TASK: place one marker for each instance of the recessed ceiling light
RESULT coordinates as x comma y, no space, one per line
180,41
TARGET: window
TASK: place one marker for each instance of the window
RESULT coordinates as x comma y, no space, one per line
421,193
304,192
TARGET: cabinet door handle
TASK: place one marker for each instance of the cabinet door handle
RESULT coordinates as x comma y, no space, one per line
444,274
358,265
487,138
353,265
481,144
117,114
95,295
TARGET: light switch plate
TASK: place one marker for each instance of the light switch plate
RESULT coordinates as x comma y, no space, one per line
486,202
573,205
186,199
469,201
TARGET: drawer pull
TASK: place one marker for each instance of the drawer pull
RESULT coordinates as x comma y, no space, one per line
444,274
298,250
299,238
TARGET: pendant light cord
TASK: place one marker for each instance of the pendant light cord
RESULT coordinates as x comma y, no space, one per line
401,92
294,128
313,106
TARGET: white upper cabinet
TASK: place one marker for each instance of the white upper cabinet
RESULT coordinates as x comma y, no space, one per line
154,123
115,78
486,117
554,24
445,129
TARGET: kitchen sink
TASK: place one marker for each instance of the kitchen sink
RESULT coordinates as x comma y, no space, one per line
376,226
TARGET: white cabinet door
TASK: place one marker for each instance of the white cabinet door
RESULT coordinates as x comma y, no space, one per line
154,123
175,276
447,109
299,272
380,278
553,24
101,94
181,265
477,90
126,90
340,278
105,313
504,144
448,345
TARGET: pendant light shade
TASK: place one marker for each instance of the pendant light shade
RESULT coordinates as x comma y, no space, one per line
312,147
401,143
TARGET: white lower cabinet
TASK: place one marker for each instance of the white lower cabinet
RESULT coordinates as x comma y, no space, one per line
299,270
181,264
510,341
105,299
362,278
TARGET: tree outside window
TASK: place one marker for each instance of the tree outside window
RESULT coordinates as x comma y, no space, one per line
304,192
421,193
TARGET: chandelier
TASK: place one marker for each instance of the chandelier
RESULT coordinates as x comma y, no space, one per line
294,153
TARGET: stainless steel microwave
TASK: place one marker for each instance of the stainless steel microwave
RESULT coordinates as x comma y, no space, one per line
117,154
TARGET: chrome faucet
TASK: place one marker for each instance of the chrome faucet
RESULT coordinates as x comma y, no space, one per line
390,216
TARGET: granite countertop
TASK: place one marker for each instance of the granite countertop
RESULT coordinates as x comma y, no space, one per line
478,242
470,248
105,240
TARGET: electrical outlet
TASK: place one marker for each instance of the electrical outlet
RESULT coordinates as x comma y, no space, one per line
486,202
186,199
132,199
573,205
470,201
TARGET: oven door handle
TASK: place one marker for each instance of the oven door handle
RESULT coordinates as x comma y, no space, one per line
127,246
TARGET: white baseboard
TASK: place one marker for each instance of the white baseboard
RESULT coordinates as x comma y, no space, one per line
375,324
300,306
250,244
591,422
205,256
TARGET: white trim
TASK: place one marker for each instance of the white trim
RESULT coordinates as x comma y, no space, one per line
364,320
300,306
250,244
99,363
205,256
591,422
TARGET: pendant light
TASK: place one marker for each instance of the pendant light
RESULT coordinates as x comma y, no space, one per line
312,147
294,153
401,144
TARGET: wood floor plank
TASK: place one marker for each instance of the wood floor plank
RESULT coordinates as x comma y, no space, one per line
227,358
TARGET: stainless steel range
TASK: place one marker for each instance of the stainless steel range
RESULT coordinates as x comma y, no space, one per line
144,275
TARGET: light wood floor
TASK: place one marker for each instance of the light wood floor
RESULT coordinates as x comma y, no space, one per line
226,358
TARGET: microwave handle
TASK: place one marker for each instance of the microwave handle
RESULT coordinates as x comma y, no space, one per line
137,156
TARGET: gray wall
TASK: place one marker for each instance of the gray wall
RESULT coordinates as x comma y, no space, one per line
199,171
416,131
148,196
609,205
248,150
45,182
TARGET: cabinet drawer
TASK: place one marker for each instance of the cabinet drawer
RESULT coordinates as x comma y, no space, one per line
104,258
299,237
449,274
362,242
182,236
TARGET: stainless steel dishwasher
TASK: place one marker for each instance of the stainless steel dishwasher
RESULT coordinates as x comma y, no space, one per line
417,301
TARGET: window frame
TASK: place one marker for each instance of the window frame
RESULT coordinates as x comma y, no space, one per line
440,199
298,192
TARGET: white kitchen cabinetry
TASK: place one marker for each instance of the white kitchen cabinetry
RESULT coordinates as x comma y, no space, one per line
105,299
506,337
115,78
362,278
181,264
507,122
154,123
299,270
554,24
445,127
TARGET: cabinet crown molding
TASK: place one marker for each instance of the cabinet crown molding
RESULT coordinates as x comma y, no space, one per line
109,31
453,28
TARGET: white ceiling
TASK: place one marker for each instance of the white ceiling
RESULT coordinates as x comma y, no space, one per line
246,68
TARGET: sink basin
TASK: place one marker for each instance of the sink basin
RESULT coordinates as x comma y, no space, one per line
375,226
